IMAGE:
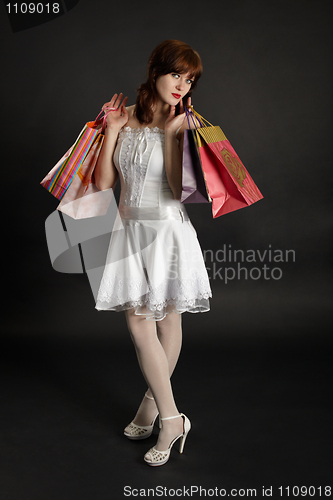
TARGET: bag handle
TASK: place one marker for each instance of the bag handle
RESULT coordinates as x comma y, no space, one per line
196,117
189,114
97,119
201,118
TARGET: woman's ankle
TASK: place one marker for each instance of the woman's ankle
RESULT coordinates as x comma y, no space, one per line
149,394
146,412
170,430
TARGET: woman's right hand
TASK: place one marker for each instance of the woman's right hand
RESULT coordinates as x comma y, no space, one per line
118,117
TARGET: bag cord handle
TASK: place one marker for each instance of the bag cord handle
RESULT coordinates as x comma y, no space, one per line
189,114
104,117
194,114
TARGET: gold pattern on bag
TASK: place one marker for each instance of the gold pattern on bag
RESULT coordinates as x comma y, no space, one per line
212,134
234,166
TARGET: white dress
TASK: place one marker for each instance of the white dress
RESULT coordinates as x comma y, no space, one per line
154,261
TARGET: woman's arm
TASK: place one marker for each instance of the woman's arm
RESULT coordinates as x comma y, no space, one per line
105,173
173,163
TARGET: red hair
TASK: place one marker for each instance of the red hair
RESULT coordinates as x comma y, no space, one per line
170,56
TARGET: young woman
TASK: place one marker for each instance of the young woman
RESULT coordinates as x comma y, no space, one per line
154,269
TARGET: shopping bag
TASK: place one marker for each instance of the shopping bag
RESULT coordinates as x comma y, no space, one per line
194,189
228,182
83,199
60,177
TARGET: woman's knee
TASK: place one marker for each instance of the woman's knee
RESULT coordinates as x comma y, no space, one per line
170,323
141,330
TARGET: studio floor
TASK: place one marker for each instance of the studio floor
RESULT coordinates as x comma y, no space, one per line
260,412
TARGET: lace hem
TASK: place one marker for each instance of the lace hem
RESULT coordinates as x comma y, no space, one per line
158,312
176,295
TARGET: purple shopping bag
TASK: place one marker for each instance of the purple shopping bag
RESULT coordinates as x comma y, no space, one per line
194,188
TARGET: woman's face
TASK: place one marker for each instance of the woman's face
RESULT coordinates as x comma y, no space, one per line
171,88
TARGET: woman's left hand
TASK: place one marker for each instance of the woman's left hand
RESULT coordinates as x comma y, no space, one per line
173,123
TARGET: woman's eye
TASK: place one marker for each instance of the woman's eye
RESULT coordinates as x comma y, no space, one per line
177,76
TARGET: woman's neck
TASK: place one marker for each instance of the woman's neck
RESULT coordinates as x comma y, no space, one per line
161,110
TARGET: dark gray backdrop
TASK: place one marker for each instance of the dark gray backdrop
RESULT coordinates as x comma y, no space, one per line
267,82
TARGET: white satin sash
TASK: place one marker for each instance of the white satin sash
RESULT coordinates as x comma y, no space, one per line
153,213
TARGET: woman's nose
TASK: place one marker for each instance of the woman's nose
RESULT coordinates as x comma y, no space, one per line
180,85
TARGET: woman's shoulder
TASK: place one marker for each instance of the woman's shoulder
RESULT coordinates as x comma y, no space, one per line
132,121
130,110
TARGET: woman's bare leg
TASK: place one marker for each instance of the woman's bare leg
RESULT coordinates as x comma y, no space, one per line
155,367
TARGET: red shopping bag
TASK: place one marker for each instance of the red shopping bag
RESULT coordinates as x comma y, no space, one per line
228,182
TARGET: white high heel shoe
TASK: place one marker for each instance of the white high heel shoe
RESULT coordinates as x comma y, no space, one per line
155,457
136,432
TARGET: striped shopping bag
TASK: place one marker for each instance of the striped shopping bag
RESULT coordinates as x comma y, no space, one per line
58,180
228,183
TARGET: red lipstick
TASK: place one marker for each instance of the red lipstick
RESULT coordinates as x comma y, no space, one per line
177,96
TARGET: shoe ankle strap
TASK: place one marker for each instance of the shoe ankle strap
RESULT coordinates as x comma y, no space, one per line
175,416
148,397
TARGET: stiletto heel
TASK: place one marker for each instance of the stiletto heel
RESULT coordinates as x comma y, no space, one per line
187,427
136,432
182,440
156,457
